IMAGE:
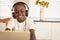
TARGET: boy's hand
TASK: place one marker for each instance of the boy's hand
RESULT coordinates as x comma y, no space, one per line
7,29
32,34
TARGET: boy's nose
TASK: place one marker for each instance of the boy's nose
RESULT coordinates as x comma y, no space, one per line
19,14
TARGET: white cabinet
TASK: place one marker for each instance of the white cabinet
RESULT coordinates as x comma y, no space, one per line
43,30
47,30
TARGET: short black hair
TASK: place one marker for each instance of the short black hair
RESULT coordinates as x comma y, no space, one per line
19,3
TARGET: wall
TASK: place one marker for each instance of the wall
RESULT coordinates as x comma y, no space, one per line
5,8
50,13
26,1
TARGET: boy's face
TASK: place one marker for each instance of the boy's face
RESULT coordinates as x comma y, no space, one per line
20,12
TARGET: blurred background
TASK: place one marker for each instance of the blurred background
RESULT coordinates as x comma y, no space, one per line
44,30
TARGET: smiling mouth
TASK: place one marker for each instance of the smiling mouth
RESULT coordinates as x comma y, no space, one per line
20,16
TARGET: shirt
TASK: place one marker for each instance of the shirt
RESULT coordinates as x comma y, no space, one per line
23,26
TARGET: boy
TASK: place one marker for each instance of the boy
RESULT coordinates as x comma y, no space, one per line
20,21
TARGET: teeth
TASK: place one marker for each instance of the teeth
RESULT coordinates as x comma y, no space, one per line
20,16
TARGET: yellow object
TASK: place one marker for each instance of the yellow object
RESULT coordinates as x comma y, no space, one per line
42,3
37,2
47,3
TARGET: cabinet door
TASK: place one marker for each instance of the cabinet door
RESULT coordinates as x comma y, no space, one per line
43,30
56,31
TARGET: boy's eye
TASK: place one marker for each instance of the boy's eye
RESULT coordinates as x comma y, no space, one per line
19,11
16,11
22,11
